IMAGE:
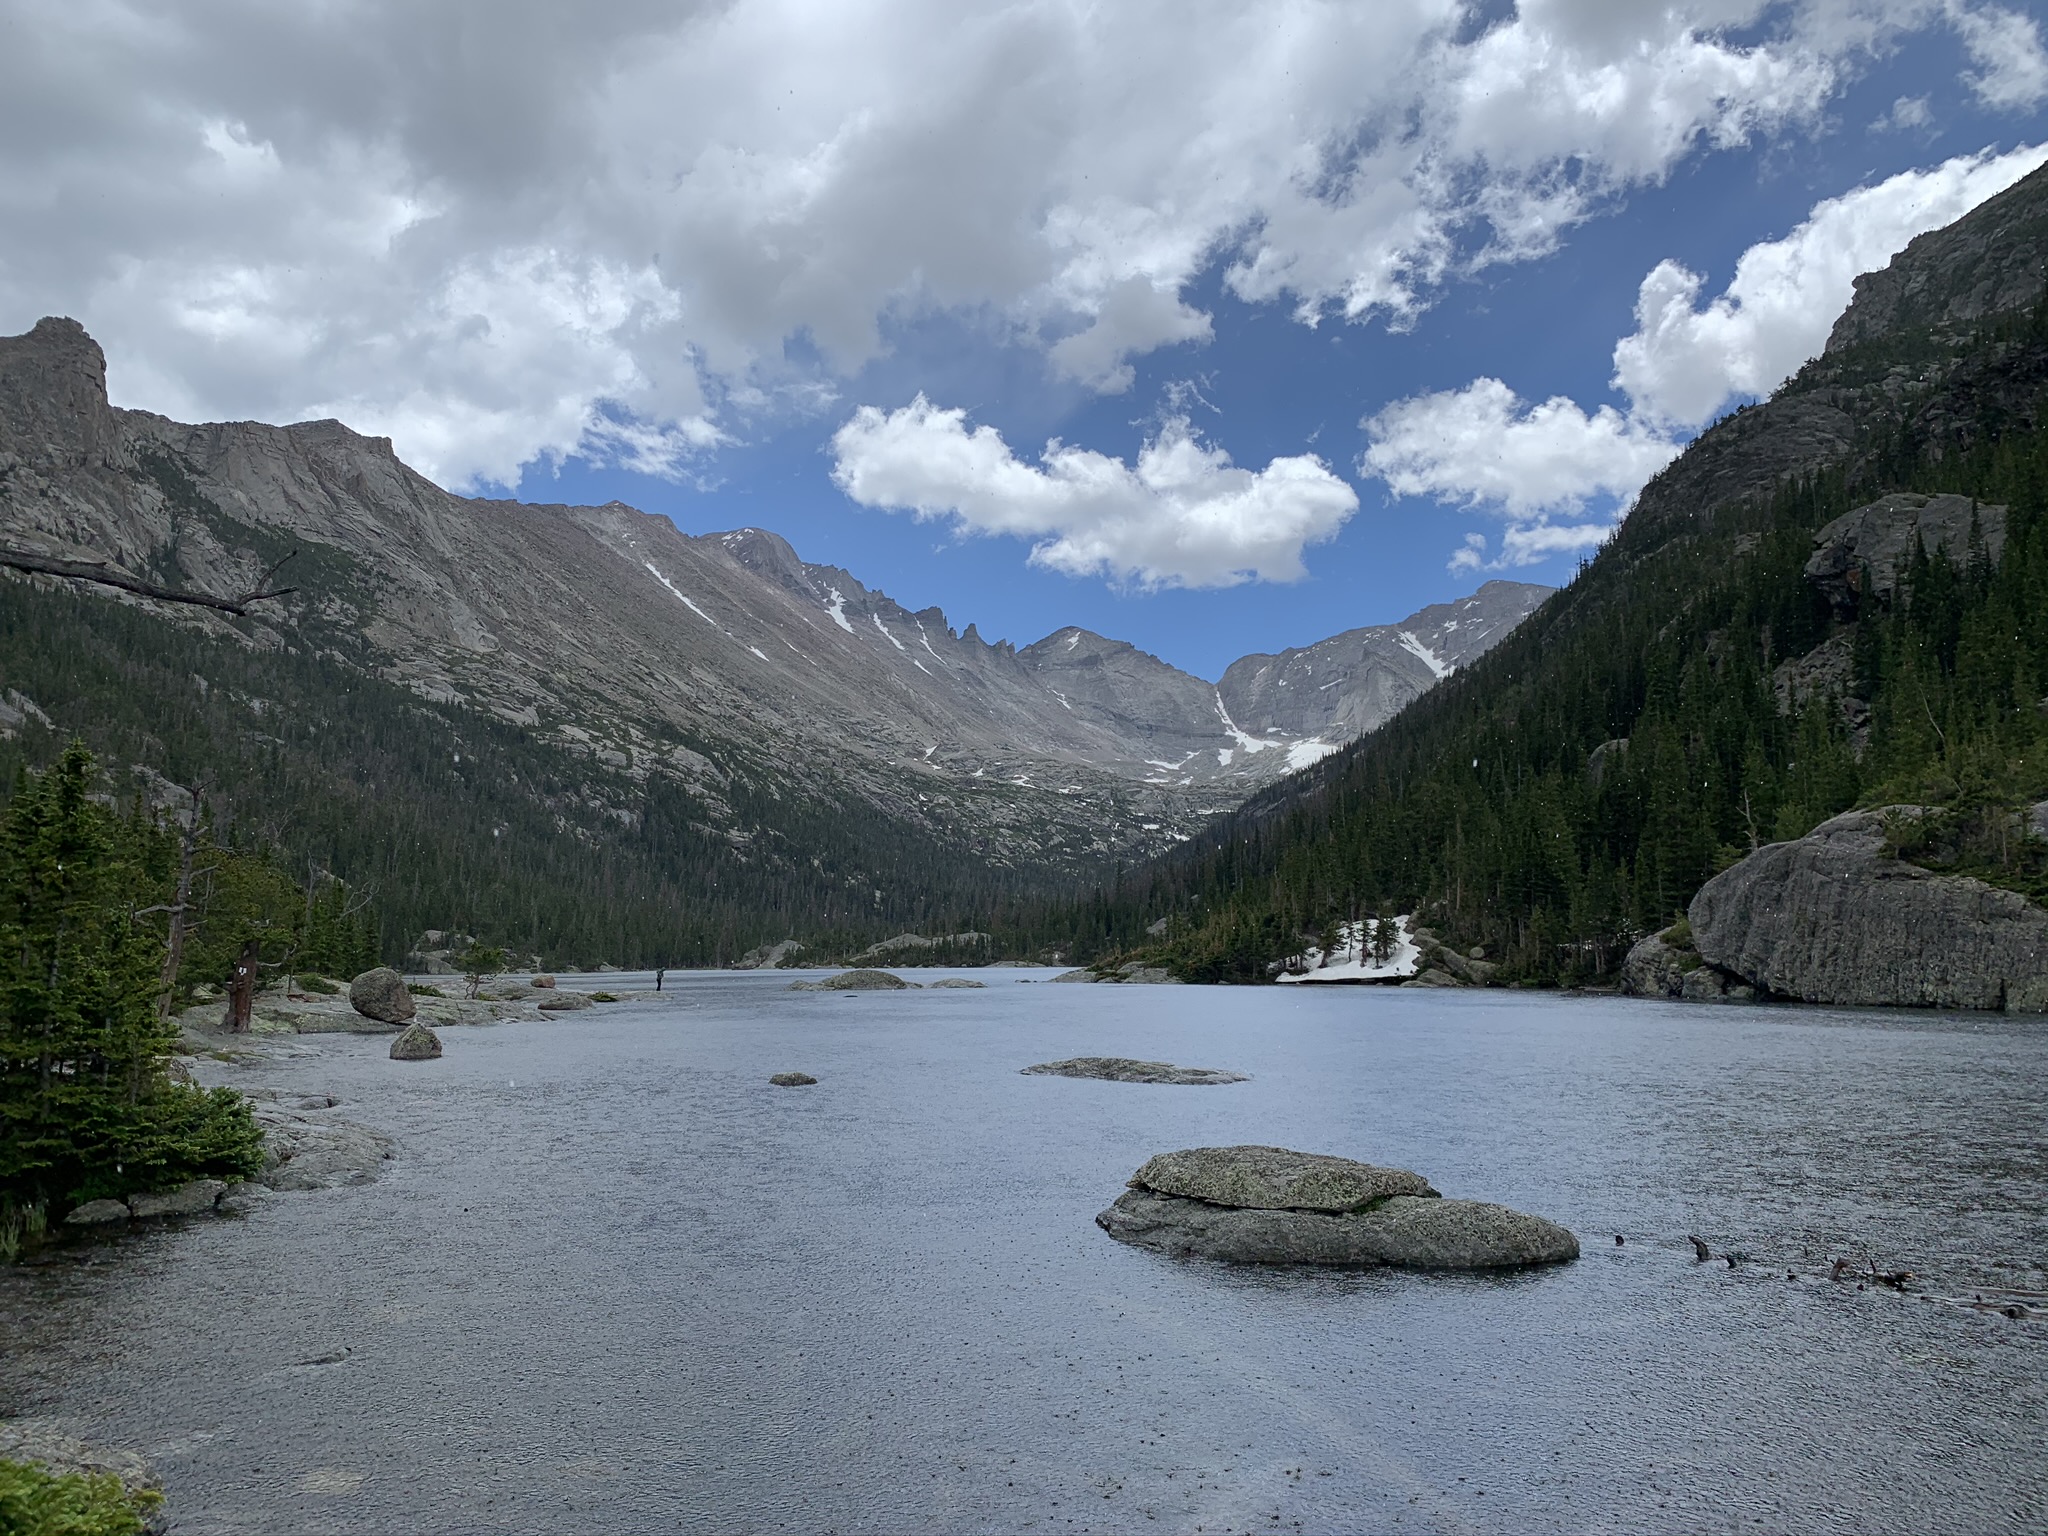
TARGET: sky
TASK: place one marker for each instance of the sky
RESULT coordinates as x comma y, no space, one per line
1217,328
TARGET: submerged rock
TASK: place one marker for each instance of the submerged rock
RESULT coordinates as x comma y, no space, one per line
380,994
1272,1205
565,1002
1833,918
1123,1069
418,1043
793,1080
856,981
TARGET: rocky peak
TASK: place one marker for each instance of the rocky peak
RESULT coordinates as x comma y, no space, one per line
53,391
1991,261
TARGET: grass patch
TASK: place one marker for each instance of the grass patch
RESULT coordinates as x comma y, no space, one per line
35,1501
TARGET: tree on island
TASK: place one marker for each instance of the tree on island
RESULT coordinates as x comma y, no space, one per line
480,962
1386,938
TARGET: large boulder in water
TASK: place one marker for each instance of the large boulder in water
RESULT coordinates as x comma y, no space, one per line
856,981
1407,1232
1275,1179
1271,1205
1833,917
418,1043
381,995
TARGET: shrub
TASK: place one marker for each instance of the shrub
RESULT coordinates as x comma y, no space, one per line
35,1501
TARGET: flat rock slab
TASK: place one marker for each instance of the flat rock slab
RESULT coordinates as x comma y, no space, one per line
1123,1069
1275,1179
1407,1232
564,1002
958,982
856,981
186,1200
793,1080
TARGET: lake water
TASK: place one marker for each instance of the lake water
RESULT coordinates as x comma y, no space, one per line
614,1282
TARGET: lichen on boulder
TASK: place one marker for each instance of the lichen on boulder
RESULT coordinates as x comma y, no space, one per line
380,994
418,1043
1276,1179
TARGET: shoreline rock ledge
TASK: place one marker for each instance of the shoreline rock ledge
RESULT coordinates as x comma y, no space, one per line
1272,1205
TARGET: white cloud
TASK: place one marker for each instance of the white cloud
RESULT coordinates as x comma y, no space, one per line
1687,361
2012,66
488,227
1484,446
1181,516
1907,113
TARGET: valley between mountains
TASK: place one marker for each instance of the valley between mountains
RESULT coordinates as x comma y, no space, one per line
704,732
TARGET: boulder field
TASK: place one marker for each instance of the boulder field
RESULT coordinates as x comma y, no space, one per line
1272,1205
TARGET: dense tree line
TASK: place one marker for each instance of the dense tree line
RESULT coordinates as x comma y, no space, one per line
87,1107
449,818
1573,789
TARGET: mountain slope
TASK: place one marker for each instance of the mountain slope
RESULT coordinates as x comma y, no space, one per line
1715,678
851,762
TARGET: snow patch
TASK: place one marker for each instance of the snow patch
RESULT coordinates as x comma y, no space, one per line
1301,753
758,652
1249,743
837,608
1430,659
1352,959
678,593
883,628
1224,755
1061,697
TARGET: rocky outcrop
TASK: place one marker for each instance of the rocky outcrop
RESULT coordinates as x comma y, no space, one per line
1269,1205
793,1080
856,981
957,983
306,1150
1834,918
1990,262
1867,551
1131,973
1122,1069
380,994
418,1043
1666,965
768,957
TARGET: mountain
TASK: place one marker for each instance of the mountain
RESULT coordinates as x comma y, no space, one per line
789,728
1835,598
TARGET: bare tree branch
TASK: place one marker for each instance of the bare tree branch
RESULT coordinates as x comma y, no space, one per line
103,573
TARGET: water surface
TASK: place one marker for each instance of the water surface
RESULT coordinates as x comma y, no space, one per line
615,1282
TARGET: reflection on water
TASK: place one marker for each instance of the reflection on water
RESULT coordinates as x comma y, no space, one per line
614,1281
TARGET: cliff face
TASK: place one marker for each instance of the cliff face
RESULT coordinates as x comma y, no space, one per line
1833,918
715,662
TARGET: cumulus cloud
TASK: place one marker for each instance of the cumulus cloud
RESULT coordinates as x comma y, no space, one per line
2012,66
1687,360
489,227
1484,447
1181,516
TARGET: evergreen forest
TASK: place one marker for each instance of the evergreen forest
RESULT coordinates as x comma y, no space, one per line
1572,790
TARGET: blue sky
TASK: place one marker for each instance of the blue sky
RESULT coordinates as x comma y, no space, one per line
736,247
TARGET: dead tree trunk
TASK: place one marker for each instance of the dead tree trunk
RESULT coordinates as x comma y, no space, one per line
242,990
174,949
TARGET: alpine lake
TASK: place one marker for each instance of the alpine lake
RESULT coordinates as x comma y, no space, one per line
614,1281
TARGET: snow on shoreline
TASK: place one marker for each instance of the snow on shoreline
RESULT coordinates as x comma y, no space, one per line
1352,959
